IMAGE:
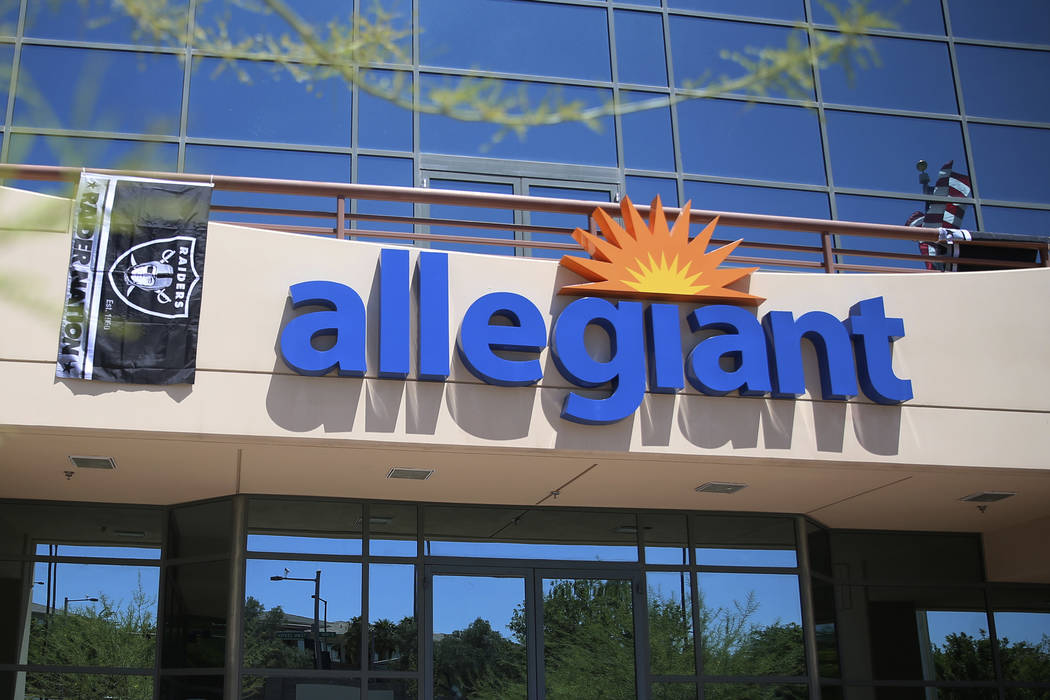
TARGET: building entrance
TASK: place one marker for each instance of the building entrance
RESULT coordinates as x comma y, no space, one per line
547,633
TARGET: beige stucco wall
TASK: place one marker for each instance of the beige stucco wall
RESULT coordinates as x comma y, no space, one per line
975,351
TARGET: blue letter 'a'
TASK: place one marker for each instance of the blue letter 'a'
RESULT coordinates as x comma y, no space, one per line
743,342
625,368
834,354
344,319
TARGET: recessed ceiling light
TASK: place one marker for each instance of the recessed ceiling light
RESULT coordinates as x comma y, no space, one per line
82,462
626,530
987,496
719,487
409,473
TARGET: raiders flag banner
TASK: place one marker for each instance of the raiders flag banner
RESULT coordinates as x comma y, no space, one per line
136,268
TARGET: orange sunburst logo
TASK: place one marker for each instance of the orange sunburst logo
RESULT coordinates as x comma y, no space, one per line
651,261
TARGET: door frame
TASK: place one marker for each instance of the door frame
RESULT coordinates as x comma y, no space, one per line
533,577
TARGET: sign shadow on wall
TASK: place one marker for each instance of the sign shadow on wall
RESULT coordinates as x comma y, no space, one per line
85,387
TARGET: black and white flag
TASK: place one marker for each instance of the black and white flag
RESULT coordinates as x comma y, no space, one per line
136,268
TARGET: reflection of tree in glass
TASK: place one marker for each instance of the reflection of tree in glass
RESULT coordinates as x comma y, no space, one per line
588,638
963,657
110,634
734,645
479,662
262,647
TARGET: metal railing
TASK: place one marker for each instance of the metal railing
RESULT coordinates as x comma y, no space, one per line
826,253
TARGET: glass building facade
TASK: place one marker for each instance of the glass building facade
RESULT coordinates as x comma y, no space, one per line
273,598
446,601
953,80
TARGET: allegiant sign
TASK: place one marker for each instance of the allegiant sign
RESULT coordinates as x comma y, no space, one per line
752,357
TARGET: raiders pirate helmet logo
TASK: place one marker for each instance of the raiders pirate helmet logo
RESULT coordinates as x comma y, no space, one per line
157,277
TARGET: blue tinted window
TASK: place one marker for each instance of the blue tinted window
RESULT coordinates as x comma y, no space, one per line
697,46
641,190
96,153
761,200
375,170
647,141
640,56
88,20
923,16
1010,162
36,149
245,19
446,211
253,162
881,210
262,101
1005,220
737,139
880,152
570,142
1004,20
988,90
9,10
567,221
777,9
99,90
380,122
7,53
516,37
909,74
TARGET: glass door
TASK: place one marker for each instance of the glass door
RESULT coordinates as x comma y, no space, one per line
588,636
479,634
530,634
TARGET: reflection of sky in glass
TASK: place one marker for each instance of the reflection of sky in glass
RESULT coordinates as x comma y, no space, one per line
392,548
941,623
391,592
779,9
561,143
1010,162
699,47
250,103
777,596
915,16
1030,627
118,584
459,600
640,48
879,152
667,555
99,90
574,44
909,75
718,556
782,143
1002,20
84,20
340,586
